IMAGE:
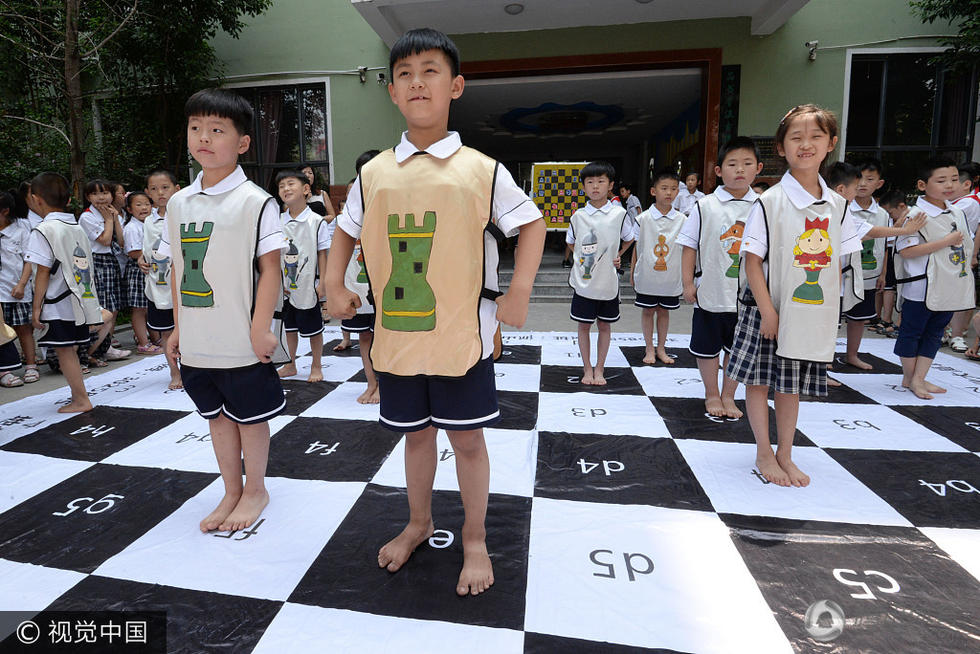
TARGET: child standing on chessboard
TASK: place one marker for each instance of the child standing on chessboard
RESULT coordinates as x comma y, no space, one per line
893,202
15,291
787,321
304,263
656,264
712,238
224,238
160,186
933,274
687,196
138,206
969,203
595,232
66,302
429,213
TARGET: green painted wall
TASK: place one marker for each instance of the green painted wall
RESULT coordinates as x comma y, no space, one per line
776,74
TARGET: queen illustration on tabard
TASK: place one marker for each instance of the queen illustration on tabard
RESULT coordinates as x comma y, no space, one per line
812,253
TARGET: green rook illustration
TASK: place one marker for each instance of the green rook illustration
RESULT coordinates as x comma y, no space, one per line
194,288
409,305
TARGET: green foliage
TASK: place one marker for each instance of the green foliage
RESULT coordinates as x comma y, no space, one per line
964,47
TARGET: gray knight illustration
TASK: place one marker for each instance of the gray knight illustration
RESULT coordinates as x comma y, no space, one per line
590,244
958,256
292,267
80,268
159,265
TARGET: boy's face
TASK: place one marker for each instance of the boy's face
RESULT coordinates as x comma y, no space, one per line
965,186
691,182
292,192
664,191
422,87
160,188
870,182
941,185
737,170
214,142
896,211
848,191
624,192
597,188
759,189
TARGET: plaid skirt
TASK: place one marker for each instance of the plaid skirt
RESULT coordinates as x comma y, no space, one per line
17,313
135,280
754,361
108,281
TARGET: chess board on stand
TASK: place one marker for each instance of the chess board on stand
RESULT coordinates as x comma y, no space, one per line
621,518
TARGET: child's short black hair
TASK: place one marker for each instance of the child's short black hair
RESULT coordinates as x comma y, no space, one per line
892,198
597,169
292,174
841,172
96,185
969,170
8,202
666,173
872,165
625,185
365,157
135,194
737,143
20,197
161,171
929,166
53,189
223,104
692,172
420,40
762,185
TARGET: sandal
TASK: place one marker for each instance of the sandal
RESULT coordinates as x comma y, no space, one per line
972,354
10,380
95,362
31,375
958,344
149,349
885,328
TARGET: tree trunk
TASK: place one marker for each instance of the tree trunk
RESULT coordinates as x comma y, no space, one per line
73,88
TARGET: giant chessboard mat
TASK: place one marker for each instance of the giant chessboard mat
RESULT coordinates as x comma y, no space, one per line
621,519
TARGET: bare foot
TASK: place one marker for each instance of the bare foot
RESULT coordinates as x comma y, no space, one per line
341,346
796,476
932,388
663,357
246,512
395,552
477,573
650,357
588,378
769,468
597,377
714,406
224,508
833,383
287,370
316,375
731,409
857,363
371,396
921,391
175,382
76,406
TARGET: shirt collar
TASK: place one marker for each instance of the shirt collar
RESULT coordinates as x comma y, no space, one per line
855,207
60,215
232,181
300,218
799,196
725,196
928,208
442,149
606,208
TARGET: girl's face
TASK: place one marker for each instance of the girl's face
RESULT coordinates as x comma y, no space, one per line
119,197
806,144
140,207
100,197
814,243
309,173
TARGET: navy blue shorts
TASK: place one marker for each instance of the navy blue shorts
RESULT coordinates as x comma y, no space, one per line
863,310
9,357
248,395
161,320
712,333
308,322
452,403
921,332
361,322
64,333
587,310
664,301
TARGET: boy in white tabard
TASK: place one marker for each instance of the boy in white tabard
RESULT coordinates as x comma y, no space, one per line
429,213
689,194
304,261
65,300
933,273
223,238
893,202
656,265
633,209
598,233
968,202
712,238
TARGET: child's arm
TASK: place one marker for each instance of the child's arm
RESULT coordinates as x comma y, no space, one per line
108,225
267,292
25,276
760,291
688,259
321,266
341,301
633,266
173,342
880,284
950,240
40,290
118,232
976,246
135,255
512,305
908,226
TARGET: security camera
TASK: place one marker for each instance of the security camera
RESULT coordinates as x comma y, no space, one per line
812,47
812,44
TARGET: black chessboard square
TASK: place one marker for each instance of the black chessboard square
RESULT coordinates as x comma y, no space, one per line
330,450
879,366
842,394
686,418
354,350
518,410
92,516
682,356
520,354
931,489
548,644
616,470
346,574
898,591
960,424
568,379
301,394
94,435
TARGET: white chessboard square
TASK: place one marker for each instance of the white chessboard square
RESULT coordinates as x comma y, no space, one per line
643,576
675,381
888,390
265,561
513,463
568,354
524,377
596,413
728,476
962,545
335,369
867,427
341,403
22,475
28,587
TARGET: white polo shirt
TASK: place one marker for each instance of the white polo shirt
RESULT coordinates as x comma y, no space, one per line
93,224
133,235
13,243
970,206
685,199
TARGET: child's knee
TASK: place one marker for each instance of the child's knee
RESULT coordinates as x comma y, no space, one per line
467,443
604,327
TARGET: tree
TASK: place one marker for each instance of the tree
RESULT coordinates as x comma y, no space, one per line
964,47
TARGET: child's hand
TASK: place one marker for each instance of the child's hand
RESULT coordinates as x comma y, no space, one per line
511,310
616,261
691,293
770,325
954,239
36,320
343,304
144,266
173,344
18,292
880,284
321,289
264,344
914,224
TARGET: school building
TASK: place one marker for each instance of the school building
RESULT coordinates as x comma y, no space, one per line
642,83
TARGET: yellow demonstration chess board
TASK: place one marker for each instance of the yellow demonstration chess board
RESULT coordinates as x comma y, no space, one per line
557,191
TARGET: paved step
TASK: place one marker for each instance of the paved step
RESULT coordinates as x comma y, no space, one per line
551,285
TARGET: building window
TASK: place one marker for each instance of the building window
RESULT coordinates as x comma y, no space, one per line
903,108
289,131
